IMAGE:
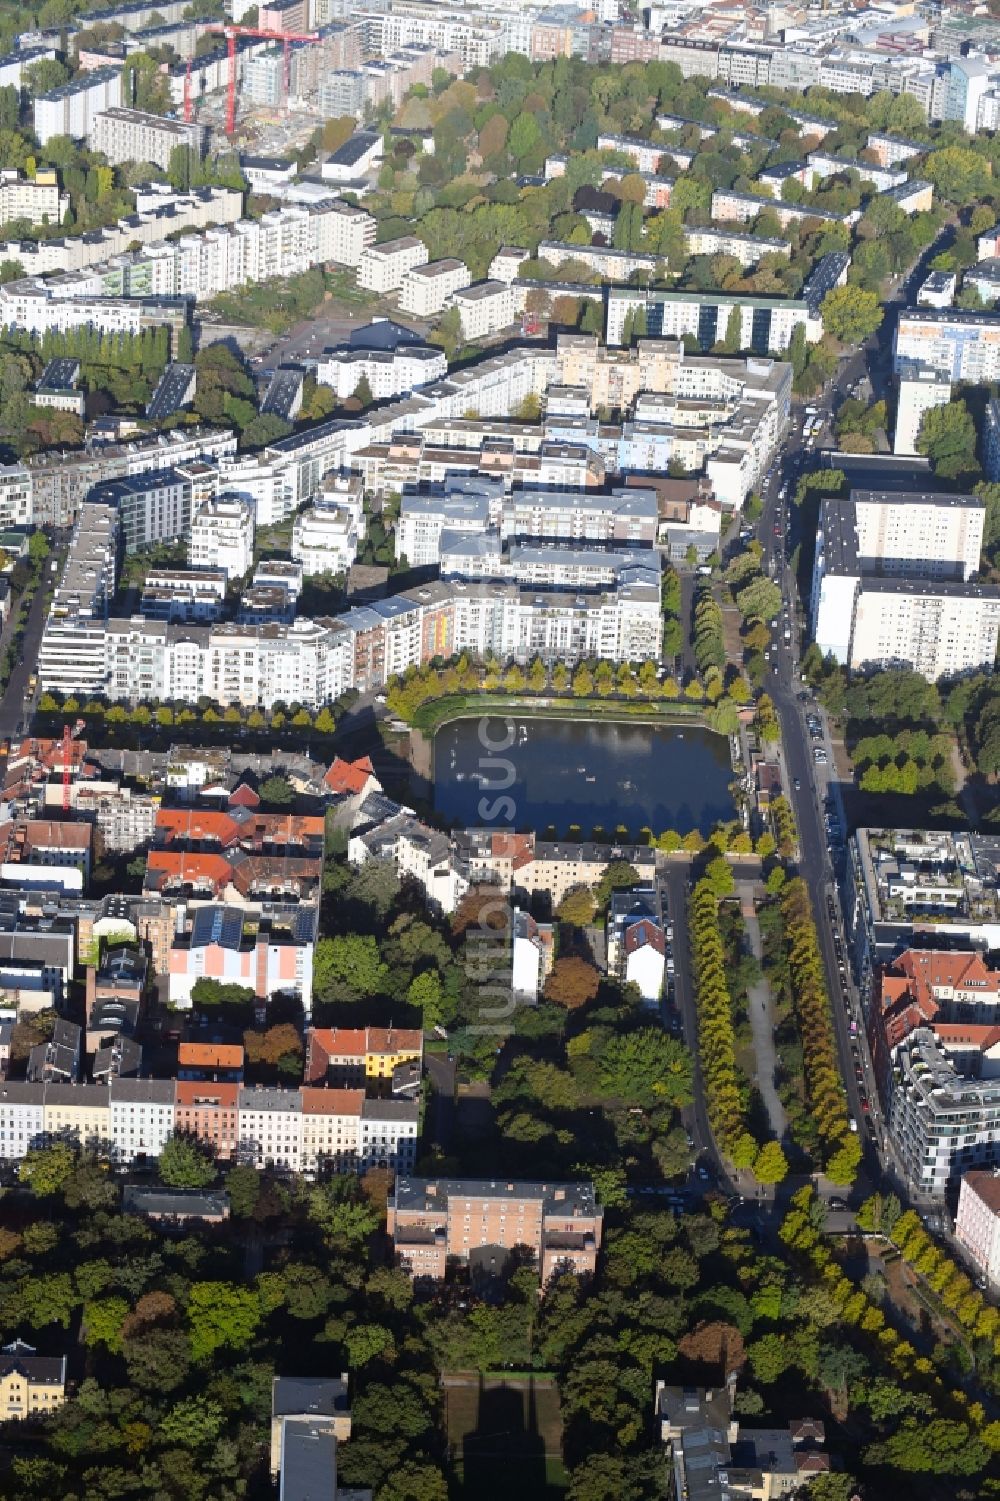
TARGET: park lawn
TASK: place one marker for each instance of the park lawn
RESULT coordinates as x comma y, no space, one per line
504,1437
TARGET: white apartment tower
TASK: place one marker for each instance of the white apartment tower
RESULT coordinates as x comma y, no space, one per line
222,533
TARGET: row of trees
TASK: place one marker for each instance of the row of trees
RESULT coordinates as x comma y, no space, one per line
205,714
824,1087
405,695
725,1090
941,1430
978,1319
707,631
785,832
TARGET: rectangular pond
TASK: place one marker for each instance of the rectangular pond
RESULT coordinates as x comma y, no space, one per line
531,773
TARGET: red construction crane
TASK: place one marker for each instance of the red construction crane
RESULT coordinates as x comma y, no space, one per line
67,758
187,93
231,33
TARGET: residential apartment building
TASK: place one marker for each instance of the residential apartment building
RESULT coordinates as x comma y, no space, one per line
142,1117
389,372
963,346
221,537
943,1110
314,662
730,204
748,249
297,1129
183,594
133,135
71,651
881,178
711,1452
50,488
920,388
70,110
890,584
426,290
30,1385
977,1223
352,1057
532,956
270,953
43,307
645,155
765,324
425,518
325,538
383,267
160,211
610,264
907,887
477,1224
154,507
34,200
485,308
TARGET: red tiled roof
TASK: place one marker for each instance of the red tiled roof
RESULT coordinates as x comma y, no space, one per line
244,796
323,1044
49,833
520,848
332,1101
192,1094
349,776
182,868
394,1040
979,1035
210,1055
196,825
644,934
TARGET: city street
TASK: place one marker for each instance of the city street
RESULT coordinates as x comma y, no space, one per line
14,709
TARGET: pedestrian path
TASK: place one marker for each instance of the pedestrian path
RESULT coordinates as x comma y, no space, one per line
762,1024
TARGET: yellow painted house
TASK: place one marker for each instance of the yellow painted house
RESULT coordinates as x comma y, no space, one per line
30,1384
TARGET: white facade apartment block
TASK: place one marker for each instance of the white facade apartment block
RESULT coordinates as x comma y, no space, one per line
937,536
485,308
890,584
963,346
940,631
387,1135
159,211
977,1224
36,199
383,267
222,534
38,308
920,388
344,233
426,290
133,135
330,1121
16,508
22,1118
270,1126
748,249
423,518
325,539
141,1117
70,109
389,373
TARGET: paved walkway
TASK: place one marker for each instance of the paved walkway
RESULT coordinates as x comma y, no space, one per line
762,1024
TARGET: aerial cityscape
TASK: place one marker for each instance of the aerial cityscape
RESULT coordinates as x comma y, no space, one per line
499,750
